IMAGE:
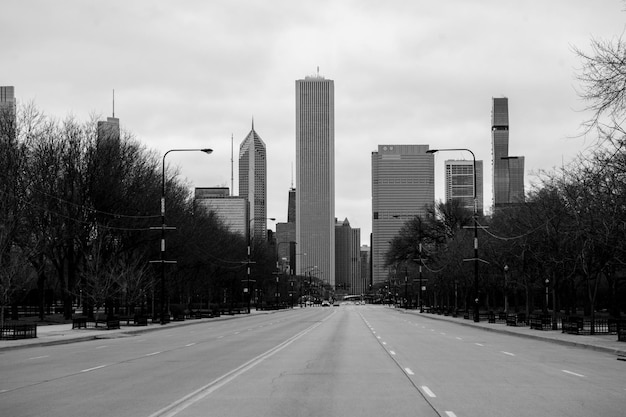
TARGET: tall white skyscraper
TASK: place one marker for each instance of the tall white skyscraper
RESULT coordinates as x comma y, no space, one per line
315,176
253,182
403,186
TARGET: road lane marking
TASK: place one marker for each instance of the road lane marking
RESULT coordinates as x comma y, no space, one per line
101,347
384,343
450,414
459,338
220,337
181,404
443,334
392,352
237,332
38,357
572,373
508,353
189,344
428,391
479,344
93,369
152,354
408,371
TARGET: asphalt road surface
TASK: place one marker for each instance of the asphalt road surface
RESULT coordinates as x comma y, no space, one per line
351,360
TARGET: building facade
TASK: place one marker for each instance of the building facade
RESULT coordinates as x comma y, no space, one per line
315,176
7,110
403,186
253,182
459,178
508,171
232,211
347,259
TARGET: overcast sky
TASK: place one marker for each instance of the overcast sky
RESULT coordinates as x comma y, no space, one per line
190,74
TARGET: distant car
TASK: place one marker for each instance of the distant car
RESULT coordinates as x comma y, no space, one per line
325,303
336,304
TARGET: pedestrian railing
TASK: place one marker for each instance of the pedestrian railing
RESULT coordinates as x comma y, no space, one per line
13,331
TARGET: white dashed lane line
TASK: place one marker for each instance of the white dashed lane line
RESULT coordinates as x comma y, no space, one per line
572,373
409,371
38,357
428,392
93,369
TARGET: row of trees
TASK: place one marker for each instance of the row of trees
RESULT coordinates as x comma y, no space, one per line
76,208
566,240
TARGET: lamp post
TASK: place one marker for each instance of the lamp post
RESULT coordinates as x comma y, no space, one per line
506,297
249,261
163,227
475,259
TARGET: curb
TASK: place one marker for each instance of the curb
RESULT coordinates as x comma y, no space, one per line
110,334
615,351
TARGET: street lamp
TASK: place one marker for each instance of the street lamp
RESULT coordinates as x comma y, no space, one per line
249,261
163,227
506,297
475,259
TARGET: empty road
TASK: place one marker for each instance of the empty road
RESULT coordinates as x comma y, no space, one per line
351,360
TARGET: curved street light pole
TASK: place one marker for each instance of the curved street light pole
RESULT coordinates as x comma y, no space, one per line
163,227
476,313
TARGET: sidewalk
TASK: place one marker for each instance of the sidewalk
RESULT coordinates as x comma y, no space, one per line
602,343
58,334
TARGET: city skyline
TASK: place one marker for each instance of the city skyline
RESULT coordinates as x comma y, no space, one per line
187,75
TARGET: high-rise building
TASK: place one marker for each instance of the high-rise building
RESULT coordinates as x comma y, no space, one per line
253,182
231,210
365,271
286,235
460,183
347,259
315,176
109,131
403,186
508,171
7,110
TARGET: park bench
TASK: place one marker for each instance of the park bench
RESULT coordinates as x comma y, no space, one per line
540,322
516,319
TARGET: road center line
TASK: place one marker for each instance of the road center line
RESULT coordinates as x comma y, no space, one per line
450,414
479,344
508,353
408,371
428,391
392,352
152,354
189,344
573,373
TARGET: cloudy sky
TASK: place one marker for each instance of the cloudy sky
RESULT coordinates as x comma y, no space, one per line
193,73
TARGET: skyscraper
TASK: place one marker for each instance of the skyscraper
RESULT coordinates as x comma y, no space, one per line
403,186
253,182
347,259
315,175
508,171
460,183
7,110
